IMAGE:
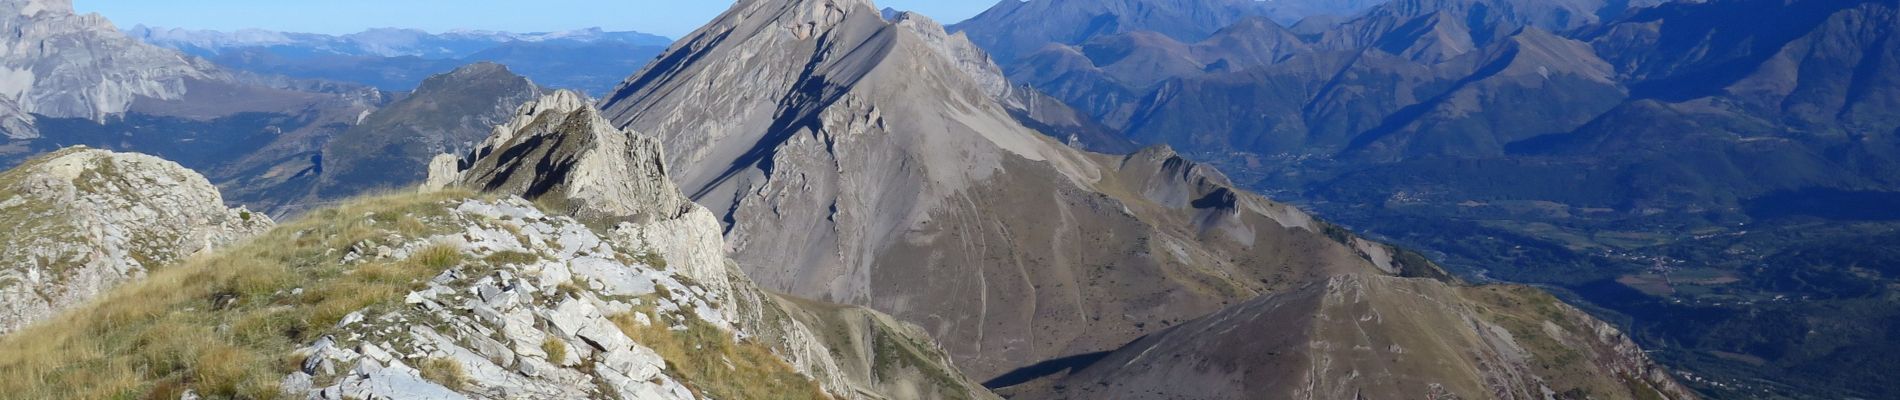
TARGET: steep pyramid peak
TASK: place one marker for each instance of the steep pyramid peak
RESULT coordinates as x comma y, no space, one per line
803,18
725,96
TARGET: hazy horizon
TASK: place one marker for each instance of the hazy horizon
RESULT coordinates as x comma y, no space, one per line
668,18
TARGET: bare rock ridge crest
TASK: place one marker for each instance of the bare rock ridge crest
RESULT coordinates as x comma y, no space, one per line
604,172
868,161
76,223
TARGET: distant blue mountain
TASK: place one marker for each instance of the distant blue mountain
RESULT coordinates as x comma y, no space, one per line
591,60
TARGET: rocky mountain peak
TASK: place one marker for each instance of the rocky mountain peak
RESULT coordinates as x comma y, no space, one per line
59,64
841,79
483,69
29,8
77,222
957,48
805,18
874,165
561,149
1537,51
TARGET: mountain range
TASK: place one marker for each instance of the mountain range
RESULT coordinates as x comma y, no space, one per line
1678,164
828,199
881,173
76,80
590,60
875,162
1015,29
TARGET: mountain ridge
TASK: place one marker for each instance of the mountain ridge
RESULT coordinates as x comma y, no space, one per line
393,59
383,42
1508,139
1012,29
855,159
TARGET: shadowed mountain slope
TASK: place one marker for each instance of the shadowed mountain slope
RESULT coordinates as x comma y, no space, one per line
869,161
1596,146
1013,29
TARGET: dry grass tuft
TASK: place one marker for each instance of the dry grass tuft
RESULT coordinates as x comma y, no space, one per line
511,258
223,326
556,349
446,372
715,364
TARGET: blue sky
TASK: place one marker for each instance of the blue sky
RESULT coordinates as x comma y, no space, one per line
672,18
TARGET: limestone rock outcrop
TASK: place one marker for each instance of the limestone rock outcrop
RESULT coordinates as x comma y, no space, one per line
559,148
546,323
77,222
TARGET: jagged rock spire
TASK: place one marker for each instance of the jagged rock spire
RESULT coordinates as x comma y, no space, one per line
558,148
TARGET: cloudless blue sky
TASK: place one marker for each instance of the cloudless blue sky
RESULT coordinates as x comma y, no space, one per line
672,18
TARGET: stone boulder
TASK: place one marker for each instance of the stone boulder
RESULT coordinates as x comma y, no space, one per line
77,222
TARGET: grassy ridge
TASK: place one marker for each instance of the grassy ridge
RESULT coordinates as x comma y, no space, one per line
224,325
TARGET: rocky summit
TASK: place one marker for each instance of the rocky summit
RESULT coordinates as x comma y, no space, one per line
79,222
871,161
560,152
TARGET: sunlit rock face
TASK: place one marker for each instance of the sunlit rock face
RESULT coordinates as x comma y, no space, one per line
79,222
59,64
